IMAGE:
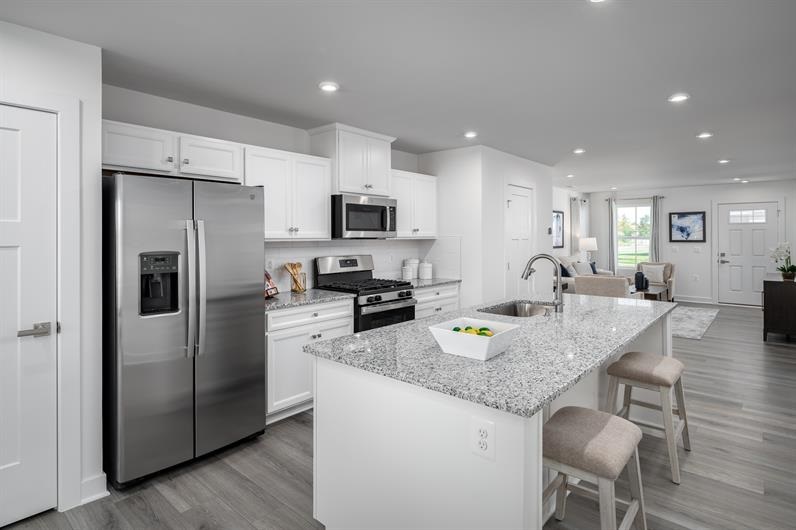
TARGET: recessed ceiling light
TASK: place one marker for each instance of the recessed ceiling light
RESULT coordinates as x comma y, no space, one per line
596,1
724,161
705,135
570,176
329,86
613,187
679,97
736,179
579,151
744,182
470,134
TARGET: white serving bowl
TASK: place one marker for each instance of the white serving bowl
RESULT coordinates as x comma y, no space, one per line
474,346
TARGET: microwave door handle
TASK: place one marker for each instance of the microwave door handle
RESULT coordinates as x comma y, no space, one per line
385,219
190,240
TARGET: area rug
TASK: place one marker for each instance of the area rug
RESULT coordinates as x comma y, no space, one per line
692,322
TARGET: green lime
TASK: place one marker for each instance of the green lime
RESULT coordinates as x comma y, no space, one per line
484,329
468,327
457,328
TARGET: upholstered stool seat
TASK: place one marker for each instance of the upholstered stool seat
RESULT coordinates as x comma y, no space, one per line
587,439
595,447
649,368
659,373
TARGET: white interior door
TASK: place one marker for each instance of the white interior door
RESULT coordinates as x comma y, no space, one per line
518,237
747,232
28,433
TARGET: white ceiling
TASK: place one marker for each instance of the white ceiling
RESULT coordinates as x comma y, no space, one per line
535,78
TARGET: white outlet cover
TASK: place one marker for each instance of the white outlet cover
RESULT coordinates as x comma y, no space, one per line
482,437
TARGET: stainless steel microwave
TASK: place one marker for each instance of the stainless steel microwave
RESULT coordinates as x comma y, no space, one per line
363,217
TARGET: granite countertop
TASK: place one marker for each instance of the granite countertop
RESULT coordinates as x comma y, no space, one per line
550,354
434,282
312,296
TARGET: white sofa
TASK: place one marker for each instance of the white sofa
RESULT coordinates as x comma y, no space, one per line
568,283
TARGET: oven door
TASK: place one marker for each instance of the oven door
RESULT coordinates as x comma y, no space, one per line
388,313
360,216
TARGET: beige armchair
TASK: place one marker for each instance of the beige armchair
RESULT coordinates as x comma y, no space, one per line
668,277
614,286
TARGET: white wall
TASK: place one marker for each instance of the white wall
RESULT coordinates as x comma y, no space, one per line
695,264
562,201
40,62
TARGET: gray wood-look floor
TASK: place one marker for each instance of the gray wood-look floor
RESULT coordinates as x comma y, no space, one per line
741,396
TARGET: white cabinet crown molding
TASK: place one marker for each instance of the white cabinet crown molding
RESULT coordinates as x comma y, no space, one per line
347,128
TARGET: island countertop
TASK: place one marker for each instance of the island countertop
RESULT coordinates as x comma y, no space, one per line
549,355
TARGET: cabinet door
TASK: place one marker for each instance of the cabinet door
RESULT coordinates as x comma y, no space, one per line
311,205
289,368
212,158
352,155
137,147
271,169
424,202
402,192
379,167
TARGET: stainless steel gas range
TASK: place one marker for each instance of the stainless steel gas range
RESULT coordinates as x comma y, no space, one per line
378,302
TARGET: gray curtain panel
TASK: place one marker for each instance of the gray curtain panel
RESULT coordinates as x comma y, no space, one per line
655,237
612,234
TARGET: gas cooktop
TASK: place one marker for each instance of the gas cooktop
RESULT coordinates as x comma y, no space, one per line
367,285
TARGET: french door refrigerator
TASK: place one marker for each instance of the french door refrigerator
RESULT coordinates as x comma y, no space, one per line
184,326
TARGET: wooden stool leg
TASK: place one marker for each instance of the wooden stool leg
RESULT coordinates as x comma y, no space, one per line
607,504
636,491
610,400
626,400
668,424
561,499
678,391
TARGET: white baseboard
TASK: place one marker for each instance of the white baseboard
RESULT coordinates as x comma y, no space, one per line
93,488
291,411
693,299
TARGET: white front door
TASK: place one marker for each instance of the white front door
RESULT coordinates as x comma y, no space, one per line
747,233
518,237
28,433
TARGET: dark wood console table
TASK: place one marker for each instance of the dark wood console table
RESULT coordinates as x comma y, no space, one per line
779,307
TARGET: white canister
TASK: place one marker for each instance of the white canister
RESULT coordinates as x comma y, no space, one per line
425,271
412,263
406,273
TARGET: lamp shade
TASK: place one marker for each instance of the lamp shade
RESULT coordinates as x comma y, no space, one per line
588,244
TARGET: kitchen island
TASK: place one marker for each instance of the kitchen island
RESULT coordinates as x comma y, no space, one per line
407,436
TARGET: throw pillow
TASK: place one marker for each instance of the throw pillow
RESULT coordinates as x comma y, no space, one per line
583,269
593,267
564,272
653,272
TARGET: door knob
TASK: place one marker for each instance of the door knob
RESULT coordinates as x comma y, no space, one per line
724,261
39,329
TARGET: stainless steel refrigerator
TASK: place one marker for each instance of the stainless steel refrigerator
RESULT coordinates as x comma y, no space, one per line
184,326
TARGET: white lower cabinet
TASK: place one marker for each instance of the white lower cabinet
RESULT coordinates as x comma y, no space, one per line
290,370
433,300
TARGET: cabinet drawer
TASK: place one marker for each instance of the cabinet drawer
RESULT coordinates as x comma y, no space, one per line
308,314
434,307
427,294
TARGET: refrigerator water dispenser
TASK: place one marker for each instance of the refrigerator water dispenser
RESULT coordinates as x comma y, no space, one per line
159,281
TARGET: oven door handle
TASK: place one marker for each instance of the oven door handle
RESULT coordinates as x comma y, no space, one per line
379,308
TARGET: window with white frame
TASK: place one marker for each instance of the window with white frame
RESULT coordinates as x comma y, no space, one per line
747,216
633,232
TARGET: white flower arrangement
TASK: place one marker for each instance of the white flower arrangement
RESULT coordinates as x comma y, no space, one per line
781,255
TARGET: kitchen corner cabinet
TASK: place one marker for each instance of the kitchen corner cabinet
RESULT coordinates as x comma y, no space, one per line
296,188
434,300
289,388
127,146
361,160
417,204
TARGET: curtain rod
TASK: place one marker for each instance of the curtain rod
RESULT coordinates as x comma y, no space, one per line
634,198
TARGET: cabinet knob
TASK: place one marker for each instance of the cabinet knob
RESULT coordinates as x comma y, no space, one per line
315,314
437,309
296,229
368,186
186,161
169,159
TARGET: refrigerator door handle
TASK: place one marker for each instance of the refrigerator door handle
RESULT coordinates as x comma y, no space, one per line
190,240
202,343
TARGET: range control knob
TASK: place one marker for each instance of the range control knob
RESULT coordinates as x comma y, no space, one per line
378,298
371,299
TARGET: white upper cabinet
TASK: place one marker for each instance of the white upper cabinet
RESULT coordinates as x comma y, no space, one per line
297,191
361,160
417,204
212,158
133,146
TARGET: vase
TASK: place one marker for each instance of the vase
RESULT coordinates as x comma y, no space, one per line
788,276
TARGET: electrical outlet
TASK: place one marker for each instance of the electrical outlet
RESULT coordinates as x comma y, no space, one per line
482,437
269,264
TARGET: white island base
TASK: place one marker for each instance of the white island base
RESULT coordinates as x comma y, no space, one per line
394,455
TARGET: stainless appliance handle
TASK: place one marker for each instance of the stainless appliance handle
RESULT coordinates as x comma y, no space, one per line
190,240
379,308
202,342
385,219
39,329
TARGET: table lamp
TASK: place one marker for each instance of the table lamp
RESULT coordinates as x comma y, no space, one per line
588,244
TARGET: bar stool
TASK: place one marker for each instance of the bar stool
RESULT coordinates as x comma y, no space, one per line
594,446
658,373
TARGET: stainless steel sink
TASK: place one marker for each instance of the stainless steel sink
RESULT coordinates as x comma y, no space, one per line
520,308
